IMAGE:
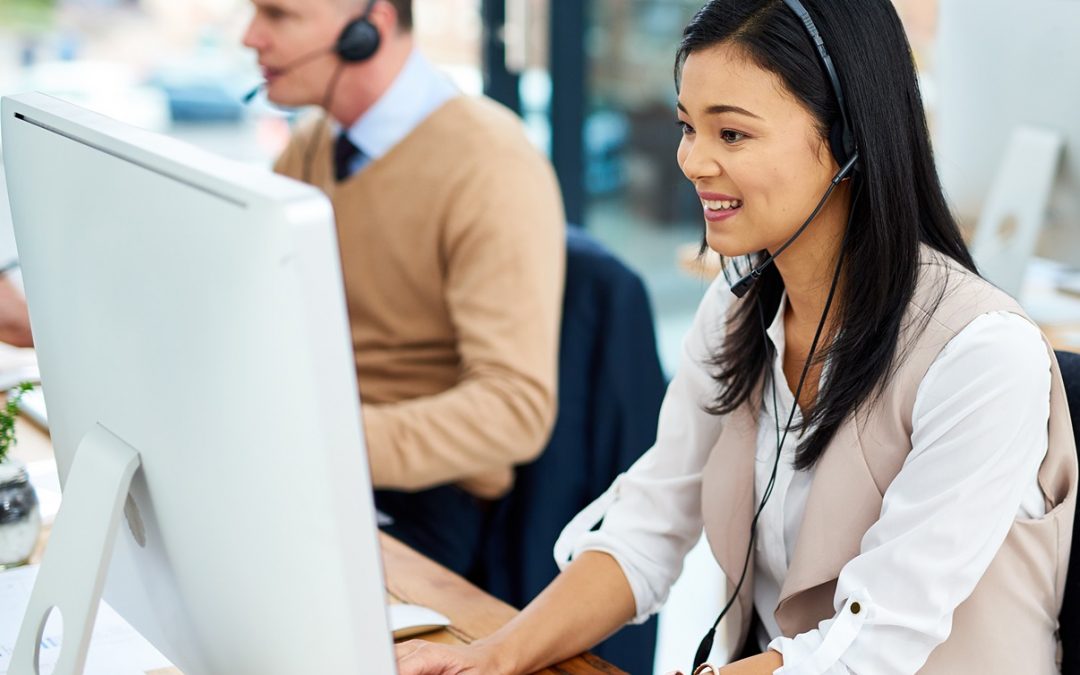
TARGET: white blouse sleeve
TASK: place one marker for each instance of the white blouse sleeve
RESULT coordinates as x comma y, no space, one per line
979,435
650,517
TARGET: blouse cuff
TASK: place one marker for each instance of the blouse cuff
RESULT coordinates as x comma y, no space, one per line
642,606
579,536
566,546
818,652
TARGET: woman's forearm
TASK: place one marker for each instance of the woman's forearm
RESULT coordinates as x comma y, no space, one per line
762,664
590,600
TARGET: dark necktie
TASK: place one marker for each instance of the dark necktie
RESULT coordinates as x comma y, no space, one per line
344,154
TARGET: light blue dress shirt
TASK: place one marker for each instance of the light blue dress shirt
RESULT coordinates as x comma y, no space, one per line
419,90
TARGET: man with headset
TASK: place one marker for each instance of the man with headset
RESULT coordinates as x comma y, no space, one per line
451,233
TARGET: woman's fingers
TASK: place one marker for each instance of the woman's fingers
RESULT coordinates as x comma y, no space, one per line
417,657
413,658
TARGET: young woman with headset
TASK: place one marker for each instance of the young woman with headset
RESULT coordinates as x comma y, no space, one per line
874,439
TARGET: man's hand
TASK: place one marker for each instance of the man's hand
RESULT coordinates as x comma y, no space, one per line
14,319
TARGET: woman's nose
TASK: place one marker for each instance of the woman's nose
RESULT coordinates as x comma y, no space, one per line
697,162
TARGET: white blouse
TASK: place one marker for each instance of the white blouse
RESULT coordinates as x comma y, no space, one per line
979,434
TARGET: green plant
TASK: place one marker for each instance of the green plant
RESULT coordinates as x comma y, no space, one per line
27,16
8,413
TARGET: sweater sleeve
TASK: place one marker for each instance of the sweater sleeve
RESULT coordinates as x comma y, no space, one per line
503,254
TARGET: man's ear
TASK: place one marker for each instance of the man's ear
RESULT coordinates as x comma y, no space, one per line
384,16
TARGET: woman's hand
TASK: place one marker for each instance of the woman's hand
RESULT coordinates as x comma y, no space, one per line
590,600
417,657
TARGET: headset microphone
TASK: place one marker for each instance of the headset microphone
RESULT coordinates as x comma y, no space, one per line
250,96
289,66
742,286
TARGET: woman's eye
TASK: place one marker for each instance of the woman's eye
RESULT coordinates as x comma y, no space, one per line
731,136
685,128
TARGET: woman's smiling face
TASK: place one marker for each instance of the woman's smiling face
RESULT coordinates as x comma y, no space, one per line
753,152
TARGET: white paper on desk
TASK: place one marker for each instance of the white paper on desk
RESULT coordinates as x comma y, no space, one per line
115,647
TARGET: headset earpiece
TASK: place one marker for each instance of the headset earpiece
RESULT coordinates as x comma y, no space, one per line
359,40
841,143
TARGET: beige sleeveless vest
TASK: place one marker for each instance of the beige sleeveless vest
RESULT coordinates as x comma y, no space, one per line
1009,623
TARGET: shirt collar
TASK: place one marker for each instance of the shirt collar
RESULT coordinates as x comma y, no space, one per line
775,331
417,91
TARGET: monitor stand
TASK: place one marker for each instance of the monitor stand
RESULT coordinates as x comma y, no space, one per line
73,571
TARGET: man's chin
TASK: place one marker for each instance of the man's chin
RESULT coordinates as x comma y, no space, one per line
286,99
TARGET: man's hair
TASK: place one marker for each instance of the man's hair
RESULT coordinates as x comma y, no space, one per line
403,7
404,12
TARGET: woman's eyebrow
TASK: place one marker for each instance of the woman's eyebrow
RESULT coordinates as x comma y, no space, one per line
720,109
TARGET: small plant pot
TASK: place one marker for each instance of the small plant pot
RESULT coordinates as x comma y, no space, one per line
20,515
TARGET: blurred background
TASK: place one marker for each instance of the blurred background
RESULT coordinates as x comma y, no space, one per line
592,80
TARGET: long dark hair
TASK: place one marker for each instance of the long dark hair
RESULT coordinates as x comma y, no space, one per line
899,203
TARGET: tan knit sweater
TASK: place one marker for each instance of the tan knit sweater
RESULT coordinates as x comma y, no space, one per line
453,252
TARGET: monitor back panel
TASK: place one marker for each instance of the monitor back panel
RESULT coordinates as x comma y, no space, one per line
194,307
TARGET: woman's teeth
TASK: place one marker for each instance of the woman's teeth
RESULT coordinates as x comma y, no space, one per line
716,205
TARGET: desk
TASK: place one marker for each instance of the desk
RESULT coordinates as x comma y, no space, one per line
410,578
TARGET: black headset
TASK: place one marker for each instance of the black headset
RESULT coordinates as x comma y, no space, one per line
359,39
841,137
845,150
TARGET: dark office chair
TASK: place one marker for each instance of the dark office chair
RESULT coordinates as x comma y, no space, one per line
610,389
1069,363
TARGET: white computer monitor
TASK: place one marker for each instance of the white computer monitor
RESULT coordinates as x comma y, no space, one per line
190,325
1000,65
